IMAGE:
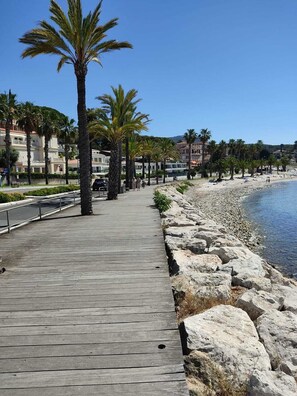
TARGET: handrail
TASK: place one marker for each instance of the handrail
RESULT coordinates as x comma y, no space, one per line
39,200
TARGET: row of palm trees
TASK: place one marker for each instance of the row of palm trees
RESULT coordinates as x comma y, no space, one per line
237,156
46,121
190,137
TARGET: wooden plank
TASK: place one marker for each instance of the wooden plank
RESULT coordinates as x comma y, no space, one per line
160,388
91,377
122,348
160,336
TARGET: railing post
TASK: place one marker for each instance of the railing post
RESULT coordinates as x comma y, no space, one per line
40,214
8,223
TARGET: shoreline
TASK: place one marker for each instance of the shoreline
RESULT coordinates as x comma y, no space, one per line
226,296
223,203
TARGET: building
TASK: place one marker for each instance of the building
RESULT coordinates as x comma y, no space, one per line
19,143
183,149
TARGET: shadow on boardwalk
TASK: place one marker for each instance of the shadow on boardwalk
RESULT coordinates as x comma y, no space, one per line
86,306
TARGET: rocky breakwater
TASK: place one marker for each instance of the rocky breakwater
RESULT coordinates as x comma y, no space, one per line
237,314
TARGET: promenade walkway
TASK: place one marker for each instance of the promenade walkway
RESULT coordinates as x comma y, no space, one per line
86,306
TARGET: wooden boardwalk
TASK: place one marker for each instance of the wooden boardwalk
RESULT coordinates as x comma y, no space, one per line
86,306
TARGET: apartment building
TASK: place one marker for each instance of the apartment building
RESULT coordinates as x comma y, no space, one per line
183,149
19,142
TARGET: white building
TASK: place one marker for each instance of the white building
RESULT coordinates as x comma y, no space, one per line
19,143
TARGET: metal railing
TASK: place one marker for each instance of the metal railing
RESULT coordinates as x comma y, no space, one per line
20,214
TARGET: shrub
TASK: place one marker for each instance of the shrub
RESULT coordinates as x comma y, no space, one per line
162,202
4,197
52,190
182,187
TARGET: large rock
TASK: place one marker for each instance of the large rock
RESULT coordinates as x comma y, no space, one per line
271,383
210,378
228,253
248,272
230,339
185,242
185,262
255,303
215,286
289,295
277,331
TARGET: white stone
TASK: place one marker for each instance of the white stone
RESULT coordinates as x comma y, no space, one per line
211,285
229,337
255,303
186,262
289,294
278,332
271,383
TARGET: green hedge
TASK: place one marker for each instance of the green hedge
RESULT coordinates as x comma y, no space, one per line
35,175
5,197
52,190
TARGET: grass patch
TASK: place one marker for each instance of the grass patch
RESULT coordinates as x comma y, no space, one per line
161,201
189,304
52,190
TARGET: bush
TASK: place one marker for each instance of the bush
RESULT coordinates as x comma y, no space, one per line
4,197
52,190
181,188
162,202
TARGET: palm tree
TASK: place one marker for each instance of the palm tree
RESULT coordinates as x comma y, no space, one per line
231,163
28,121
48,126
8,112
168,151
204,137
78,41
134,150
157,158
270,162
212,147
67,135
117,118
190,136
148,150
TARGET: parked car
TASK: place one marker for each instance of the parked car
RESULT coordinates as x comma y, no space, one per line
100,184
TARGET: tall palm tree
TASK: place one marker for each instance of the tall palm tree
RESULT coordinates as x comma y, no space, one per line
157,158
8,112
190,136
204,137
117,118
28,121
148,150
168,151
134,150
76,40
49,125
212,147
67,136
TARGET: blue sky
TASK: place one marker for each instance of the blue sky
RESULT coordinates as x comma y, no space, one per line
226,65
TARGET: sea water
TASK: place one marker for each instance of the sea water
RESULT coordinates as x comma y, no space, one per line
274,211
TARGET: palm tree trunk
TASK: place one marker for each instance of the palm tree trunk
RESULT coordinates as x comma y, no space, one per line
128,180
83,145
149,171
164,171
7,149
143,171
28,134
190,158
119,166
157,174
113,172
66,152
131,171
46,159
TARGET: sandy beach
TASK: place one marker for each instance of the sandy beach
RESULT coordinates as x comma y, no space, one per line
222,202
